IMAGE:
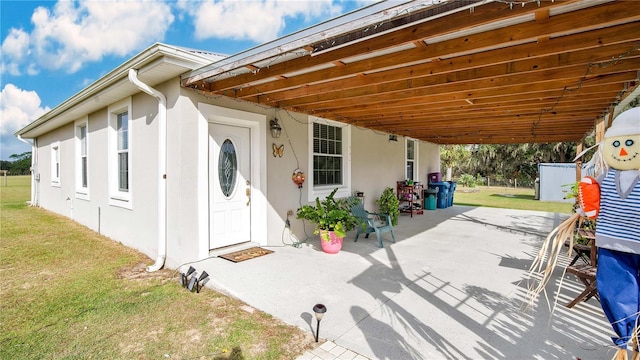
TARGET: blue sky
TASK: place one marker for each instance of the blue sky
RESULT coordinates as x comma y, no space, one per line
51,50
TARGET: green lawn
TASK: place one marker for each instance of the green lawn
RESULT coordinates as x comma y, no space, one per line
509,198
68,293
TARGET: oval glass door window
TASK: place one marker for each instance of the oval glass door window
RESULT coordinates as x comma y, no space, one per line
227,167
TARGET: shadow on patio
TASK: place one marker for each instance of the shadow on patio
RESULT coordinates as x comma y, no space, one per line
452,287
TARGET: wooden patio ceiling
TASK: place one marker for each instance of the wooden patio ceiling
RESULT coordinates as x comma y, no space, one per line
457,72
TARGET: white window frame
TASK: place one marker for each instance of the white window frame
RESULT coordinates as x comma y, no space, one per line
118,197
55,164
344,190
82,190
416,172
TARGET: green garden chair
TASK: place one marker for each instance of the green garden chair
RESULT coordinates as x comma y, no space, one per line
372,222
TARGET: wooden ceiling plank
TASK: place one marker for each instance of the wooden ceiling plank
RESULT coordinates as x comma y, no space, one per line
487,96
462,113
459,45
518,83
539,69
381,110
480,120
498,104
588,94
529,57
575,42
464,20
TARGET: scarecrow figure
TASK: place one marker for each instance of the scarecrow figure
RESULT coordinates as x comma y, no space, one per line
618,229
616,205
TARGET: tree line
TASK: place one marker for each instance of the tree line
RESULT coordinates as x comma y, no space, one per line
516,163
20,164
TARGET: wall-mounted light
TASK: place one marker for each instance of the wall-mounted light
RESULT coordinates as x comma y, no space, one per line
275,128
393,137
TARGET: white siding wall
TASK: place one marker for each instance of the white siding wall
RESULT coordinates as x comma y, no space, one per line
58,197
376,164
135,227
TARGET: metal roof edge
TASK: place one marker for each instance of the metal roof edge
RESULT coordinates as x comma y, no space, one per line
113,77
355,19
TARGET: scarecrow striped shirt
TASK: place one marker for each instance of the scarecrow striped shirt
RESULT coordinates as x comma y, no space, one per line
618,224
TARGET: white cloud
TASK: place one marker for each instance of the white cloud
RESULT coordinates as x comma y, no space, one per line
18,108
15,47
259,21
75,32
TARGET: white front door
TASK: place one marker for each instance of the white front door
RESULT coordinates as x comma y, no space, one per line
229,185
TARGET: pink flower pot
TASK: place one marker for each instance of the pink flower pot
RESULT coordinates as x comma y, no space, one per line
334,244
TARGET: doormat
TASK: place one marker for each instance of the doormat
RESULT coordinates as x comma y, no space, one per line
246,254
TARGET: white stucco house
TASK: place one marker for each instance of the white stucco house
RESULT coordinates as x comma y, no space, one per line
172,153
176,175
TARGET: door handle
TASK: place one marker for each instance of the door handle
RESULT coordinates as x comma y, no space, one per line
248,193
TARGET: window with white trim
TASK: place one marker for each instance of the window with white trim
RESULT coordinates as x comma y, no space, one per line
120,154
122,129
411,159
55,163
82,159
330,161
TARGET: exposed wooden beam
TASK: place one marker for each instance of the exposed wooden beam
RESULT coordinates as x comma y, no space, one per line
576,44
482,15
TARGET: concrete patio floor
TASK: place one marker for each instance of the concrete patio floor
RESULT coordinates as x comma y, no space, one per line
453,286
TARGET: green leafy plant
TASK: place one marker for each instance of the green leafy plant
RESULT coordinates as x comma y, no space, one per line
388,203
467,180
583,223
330,214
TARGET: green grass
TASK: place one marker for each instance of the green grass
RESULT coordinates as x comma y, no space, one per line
509,198
68,293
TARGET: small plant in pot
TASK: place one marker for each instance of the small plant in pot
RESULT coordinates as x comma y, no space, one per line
389,204
333,219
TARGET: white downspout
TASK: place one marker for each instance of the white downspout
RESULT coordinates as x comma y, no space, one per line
33,201
162,168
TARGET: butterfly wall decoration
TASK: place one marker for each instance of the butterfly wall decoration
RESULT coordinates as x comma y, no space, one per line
278,151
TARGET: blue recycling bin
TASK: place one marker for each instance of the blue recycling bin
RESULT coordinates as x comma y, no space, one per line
452,190
430,197
443,193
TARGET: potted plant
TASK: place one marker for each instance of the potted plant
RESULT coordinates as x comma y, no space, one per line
389,204
584,222
333,219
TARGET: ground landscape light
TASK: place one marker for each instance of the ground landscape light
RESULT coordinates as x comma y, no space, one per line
184,277
319,310
204,277
192,281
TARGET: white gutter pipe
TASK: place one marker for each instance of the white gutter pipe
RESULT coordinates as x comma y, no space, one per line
162,168
33,201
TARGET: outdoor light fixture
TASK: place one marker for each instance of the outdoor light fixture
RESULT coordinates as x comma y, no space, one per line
204,277
275,128
319,310
393,137
192,281
184,277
